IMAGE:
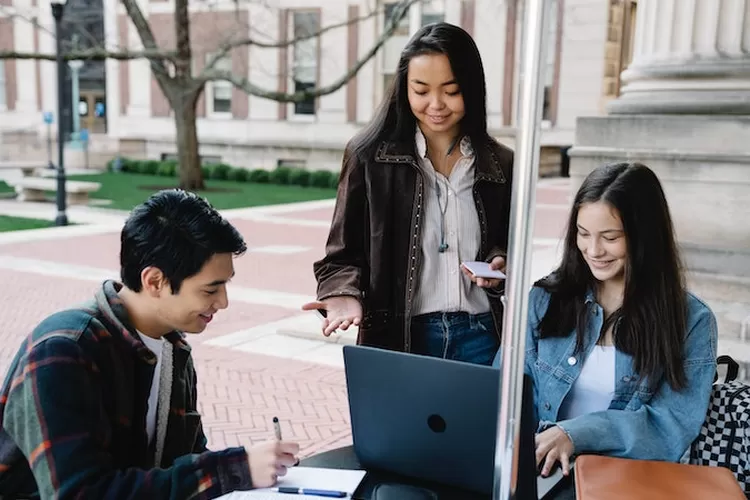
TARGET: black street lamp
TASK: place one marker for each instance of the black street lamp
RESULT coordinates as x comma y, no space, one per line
57,13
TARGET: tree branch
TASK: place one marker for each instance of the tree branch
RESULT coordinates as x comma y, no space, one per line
233,44
184,59
245,85
90,55
148,40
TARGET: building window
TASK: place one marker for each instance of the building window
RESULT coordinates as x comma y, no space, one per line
219,93
394,45
430,11
305,58
433,11
403,26
2,85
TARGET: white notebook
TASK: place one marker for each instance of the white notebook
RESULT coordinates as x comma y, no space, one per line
305,477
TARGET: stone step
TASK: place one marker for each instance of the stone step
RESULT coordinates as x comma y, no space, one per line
729,299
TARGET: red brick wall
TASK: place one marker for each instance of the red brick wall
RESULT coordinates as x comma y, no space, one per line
38,81
467,16
122,30
207,30
6,43
165,40
352,52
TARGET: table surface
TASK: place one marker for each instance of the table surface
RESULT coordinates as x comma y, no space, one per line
345,458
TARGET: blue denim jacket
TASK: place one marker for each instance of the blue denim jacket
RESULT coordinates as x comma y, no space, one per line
640,423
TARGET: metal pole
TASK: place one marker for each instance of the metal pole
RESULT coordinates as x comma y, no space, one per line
520,244
62,218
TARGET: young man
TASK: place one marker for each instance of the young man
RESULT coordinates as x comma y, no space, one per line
100,401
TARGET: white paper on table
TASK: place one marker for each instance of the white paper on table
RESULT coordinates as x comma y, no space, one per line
305,477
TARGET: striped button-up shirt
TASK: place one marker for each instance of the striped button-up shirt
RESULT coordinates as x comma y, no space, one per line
442,286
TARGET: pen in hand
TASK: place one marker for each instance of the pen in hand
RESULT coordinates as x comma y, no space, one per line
277,428
277,432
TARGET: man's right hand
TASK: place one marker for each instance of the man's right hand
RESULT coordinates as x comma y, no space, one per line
270,460
342,312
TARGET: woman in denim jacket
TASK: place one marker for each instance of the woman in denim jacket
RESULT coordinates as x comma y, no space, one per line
621,355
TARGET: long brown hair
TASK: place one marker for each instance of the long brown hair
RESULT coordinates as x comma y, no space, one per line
650,325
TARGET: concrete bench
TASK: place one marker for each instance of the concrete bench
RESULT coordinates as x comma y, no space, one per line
33,189
26,167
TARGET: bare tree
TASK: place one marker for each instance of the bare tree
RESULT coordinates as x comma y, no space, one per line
172,68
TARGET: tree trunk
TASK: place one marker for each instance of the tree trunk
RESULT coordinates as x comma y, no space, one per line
191,177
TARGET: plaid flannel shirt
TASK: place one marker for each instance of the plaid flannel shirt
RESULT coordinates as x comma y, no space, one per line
73,411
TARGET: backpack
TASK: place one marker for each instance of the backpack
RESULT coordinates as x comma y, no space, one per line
724,439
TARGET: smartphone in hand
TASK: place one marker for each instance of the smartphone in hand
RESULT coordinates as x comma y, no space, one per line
480,269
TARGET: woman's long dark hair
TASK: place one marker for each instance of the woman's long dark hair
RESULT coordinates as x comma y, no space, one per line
395,121
651,323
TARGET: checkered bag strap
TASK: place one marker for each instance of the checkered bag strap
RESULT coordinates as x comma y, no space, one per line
724,439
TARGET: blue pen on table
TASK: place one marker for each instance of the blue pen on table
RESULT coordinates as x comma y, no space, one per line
312,492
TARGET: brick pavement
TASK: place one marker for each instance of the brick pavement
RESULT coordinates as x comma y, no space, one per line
240,391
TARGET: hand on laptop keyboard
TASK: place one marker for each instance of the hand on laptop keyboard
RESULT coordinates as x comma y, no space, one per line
553,445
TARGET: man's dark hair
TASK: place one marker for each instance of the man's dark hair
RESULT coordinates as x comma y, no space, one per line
177,232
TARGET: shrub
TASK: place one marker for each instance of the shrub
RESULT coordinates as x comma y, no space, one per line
206,171
167,169
127,164
260,176
220,171
321,178
280,175
148,167
237,174
335,181
138,166
299,177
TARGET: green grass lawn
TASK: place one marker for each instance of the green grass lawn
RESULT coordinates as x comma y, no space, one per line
128,190
18,223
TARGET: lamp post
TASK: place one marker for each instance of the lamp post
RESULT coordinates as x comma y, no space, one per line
57,13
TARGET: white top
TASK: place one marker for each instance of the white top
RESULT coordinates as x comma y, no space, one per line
155,346
442,286
595,386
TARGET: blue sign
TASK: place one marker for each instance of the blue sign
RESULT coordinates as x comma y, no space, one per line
84,134
99,110
48,117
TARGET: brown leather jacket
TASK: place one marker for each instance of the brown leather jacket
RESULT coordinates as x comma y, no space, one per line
372,249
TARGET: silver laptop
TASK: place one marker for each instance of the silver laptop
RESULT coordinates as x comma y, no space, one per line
431,419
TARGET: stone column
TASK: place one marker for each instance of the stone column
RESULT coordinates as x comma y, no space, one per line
684,111
139,73
23,39
689,57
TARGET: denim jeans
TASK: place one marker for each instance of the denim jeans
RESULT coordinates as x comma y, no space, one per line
459,336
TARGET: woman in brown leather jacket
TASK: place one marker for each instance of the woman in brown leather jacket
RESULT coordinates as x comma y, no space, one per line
423,188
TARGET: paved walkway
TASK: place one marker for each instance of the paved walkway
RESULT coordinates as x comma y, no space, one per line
262,357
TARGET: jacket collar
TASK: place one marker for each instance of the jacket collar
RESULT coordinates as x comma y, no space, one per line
111,307
487,168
